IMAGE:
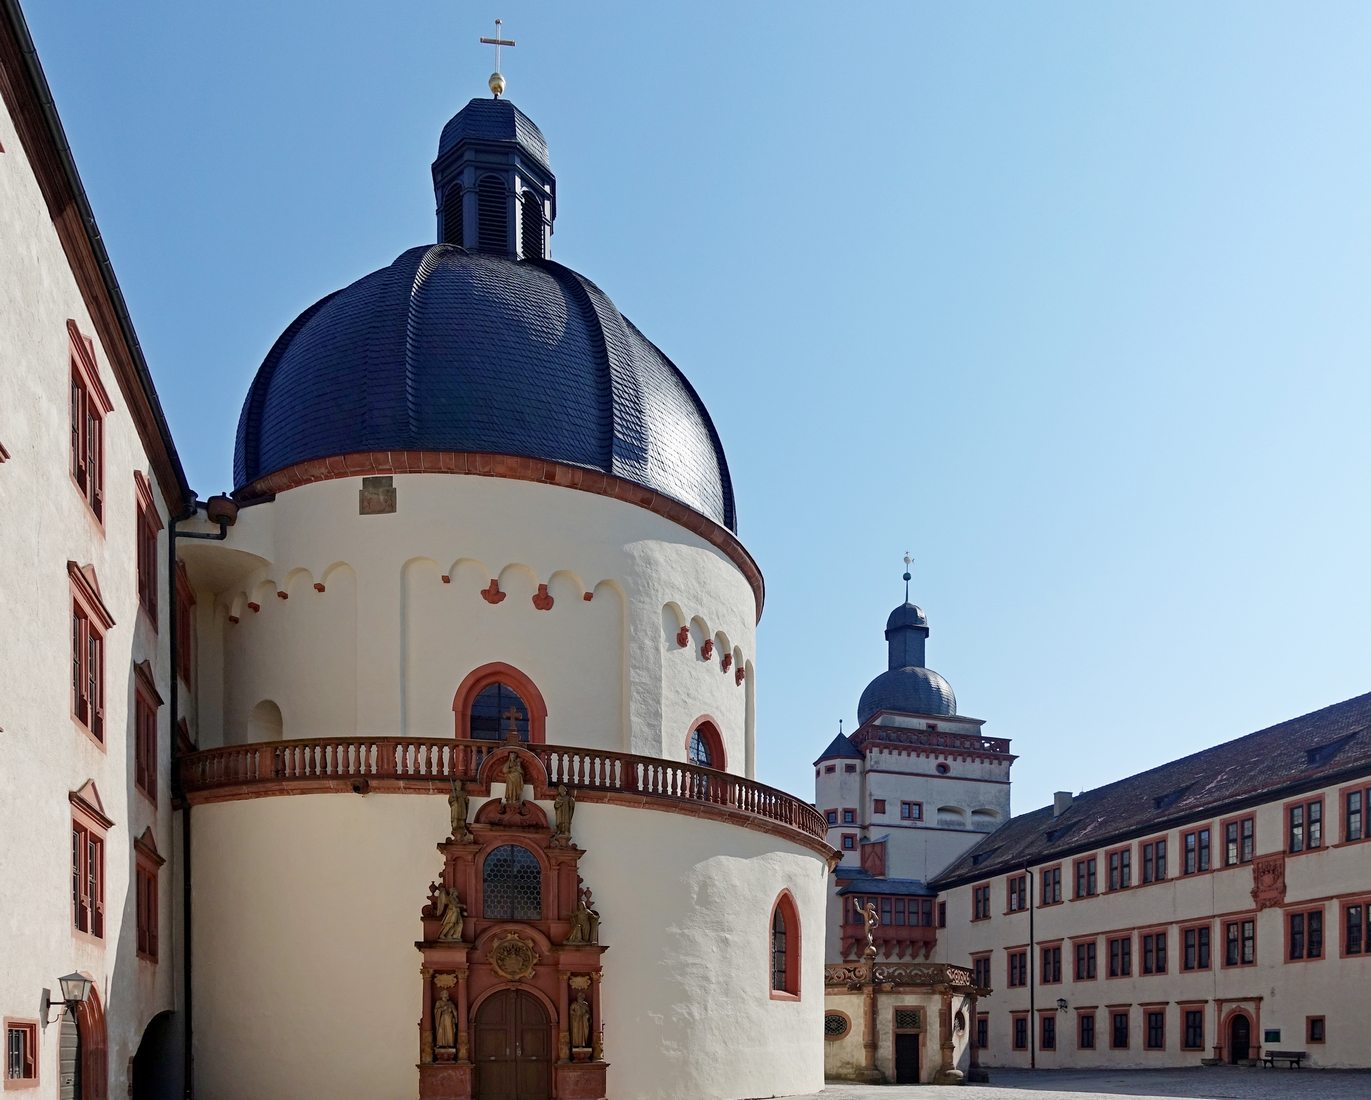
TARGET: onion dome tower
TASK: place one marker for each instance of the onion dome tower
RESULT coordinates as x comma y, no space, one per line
907,685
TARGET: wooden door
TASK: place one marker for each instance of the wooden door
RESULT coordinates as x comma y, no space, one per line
906,1059
1239,1038
69,1060
513,1048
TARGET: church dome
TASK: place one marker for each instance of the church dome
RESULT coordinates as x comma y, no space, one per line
482,344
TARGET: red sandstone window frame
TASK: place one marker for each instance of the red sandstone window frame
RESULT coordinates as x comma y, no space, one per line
1311,837
1186,1008
1151,1015
1016,893
911,811
983,1031
1152,860
1204,852
980,902
784,906
1047,1029
498,672
90,405
1241,940
146,703
1090,957
1203,948
708,729
1315,1030
1120,864
878,805
30,1059
980,968
849,842
1118,963
1363,792
1304,912
1018,1030
149,527
90,623
1050,886
1114,1014
89,830
1013,956
1363,907
147,865
1085,874
1050,963
1152,952
1083,1014
1236,824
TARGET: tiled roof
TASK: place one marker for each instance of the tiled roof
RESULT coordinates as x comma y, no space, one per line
881,886
493,120
840,748
1304,753
450,350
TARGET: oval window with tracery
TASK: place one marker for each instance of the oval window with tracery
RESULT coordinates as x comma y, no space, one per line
836,1025
496,709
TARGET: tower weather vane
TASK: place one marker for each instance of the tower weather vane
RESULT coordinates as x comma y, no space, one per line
497,82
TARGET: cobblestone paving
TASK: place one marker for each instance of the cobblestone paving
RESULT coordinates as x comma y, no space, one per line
1218,1083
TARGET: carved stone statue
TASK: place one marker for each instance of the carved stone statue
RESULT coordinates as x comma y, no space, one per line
458,803
585,922
565,806
513,772
872,923
444,1022
580,1022
449,907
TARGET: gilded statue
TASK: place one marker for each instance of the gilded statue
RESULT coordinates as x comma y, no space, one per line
580,1022
449,907
564,805
585,922
444,1022
458,804
513,772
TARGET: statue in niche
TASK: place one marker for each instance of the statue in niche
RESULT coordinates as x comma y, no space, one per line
458,803
585,922
513,771
449,908
580,1021
565,806
444,1022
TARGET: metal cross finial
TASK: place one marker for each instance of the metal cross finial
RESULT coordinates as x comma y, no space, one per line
497,81
908,561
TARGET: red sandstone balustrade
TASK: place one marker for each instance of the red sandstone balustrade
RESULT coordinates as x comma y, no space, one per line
429,764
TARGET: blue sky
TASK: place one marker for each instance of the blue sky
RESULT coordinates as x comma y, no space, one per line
1068,299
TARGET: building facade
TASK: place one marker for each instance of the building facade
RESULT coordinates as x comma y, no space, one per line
89,484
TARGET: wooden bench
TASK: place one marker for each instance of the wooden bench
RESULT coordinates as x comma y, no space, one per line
1293,1057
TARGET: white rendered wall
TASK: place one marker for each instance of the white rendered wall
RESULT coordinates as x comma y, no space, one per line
307,981
382,650
44,522
1332,987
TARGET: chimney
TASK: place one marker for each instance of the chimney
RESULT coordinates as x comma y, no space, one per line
1061,802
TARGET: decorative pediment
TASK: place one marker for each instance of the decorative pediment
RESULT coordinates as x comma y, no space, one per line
87,800
147,680
87,587
146,847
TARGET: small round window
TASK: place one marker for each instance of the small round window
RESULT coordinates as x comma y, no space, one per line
943,769
836,1025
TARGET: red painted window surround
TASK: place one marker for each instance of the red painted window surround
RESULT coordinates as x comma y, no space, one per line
1315,1029
1019,1027
21,1042
1239,836
1085,1029
1355,803
1120,861
146,702
1086,964
1120,953
849,842
1050,886
497,672
1196,850
148,558
1240,942
1119,1026
89,826
1085,872
710,737
90,621
980,902
785,955
1303,825
90,404
1192,1025
1355,928
1196,947
1016,893
1017,963
1304,934
147,864
1154,1029
1152,856
1152,949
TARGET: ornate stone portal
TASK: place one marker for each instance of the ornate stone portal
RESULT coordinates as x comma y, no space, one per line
509,911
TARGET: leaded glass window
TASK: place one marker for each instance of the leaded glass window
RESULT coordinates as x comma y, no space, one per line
494,709
699,753
512,884
778,960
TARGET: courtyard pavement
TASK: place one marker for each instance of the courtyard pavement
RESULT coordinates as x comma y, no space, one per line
1216,1083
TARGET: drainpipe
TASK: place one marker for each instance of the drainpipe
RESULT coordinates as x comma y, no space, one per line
1032,975
226,512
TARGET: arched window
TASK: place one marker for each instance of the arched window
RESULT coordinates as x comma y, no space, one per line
453,218
496,710
704,746
492,226
531,228
495,696
785,948
512,884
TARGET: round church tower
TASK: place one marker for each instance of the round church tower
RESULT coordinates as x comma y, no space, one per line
474,687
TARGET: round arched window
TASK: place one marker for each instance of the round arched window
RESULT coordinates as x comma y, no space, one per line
699,752
497,708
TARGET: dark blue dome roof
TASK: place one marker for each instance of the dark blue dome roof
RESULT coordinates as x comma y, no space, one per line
912,690
450,350
907,614
493,120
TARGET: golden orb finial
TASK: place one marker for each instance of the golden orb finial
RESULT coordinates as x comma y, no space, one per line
497,84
